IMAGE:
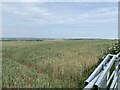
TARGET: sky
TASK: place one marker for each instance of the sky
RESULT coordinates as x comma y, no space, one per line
60,19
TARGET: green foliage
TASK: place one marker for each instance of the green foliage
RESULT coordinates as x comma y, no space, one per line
50,64
115,49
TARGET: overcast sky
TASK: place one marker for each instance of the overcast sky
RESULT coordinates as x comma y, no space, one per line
60,19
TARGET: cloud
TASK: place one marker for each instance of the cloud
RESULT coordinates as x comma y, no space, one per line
1,28
33,13
60,0
25,9
21,0
102,15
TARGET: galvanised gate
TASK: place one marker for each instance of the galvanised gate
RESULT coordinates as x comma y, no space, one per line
106,75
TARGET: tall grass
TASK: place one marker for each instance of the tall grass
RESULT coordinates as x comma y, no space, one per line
50,64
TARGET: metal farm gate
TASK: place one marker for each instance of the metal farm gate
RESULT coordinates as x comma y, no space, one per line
106,76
